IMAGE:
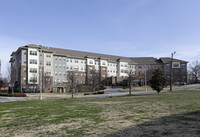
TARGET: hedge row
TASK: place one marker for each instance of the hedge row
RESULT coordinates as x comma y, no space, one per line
13,95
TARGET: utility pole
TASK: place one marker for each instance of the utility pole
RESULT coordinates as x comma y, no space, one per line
145,78
171,70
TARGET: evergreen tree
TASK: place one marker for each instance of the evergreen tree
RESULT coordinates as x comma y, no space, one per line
158,80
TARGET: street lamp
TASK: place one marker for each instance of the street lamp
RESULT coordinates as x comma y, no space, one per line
40,59
171,70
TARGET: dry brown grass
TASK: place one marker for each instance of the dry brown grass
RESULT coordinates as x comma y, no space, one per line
168,114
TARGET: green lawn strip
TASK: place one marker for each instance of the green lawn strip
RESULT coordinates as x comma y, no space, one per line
38,113
88,113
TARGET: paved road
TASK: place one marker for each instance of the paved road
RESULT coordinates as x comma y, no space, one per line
116,92
11,99
110,92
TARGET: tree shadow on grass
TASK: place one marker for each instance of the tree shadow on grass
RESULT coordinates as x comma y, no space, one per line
179,125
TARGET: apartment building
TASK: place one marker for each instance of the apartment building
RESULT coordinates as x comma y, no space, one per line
30,62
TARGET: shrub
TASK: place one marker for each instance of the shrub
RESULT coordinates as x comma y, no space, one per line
86,93
102,87
94,93
6,94
19,94
13,95
99,92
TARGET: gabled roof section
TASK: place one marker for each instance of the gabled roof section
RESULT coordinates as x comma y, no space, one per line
146,60
83,54
166,60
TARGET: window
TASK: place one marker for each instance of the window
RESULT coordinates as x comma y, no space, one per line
104,69
33,79
55,58
33,61
25,52
176,65
55,73
90,61
33,52
90,68
81,68
70,60
40,62
48,63
48,72
59,58
48,80
76,74
24,79
103,76
104,63
33,70
77,82
81,61
81,75
24,61
183,65
48,55
70,67
24,69
76,61
76,68
67,67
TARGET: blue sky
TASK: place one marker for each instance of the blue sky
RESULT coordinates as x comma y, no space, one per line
133,28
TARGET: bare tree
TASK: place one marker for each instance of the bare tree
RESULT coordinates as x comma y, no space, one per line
8,72
34,81
94,79
11,75
194,69
1,83
46,80
72,78
5,83
130,77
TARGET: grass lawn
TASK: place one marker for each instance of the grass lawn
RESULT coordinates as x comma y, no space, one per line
168,114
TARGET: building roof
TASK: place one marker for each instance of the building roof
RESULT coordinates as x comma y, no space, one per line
84,54
146,60
166,60
110,58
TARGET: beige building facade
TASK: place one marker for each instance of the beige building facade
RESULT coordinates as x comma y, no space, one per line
29,62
